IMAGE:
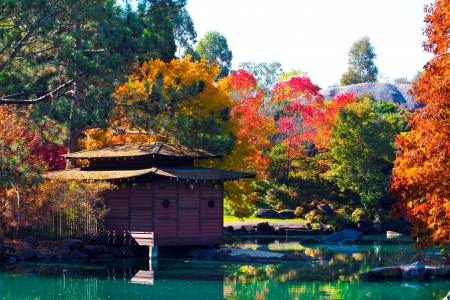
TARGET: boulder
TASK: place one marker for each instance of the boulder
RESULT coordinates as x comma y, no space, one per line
96,250
226,254
346,242
414,270
65,257
127,251
346,234
264,229
266,213
287,214
209,254
363,228
376,228
99,239
30,240
195,252
12,260
384,272
248,229
324,227
334,238
326,210
229,229
26,253
349,234
223,253
46,255
239,257
437,271
311,241
392,234
79,255
73,243
447,297
107,257
297,232
295,257
116,252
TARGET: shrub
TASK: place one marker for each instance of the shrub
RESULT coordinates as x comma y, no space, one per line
313,216
279,206
299,211
358,214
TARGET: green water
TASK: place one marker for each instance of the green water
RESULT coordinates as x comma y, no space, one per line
332,274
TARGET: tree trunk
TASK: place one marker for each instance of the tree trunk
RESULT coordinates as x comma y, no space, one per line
72,147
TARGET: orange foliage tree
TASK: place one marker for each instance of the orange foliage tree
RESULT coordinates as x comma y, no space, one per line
178,102
24,155
420,177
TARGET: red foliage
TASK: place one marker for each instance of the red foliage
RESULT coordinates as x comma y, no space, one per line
243,81
254,127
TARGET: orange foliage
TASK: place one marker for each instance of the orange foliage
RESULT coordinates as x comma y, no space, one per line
167,78
420,177
23,156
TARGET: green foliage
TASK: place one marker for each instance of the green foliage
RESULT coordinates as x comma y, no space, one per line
362,149
361,65
69,55
214,47
184,30
265,74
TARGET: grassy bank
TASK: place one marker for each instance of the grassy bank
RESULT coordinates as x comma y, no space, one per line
229,219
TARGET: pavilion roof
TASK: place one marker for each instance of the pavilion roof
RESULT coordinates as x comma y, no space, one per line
141,149
189,173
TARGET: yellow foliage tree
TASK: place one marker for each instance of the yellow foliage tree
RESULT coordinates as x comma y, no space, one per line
178,102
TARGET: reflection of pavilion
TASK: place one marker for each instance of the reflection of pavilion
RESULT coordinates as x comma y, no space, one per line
135,276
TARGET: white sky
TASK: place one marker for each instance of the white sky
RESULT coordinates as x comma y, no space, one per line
315,35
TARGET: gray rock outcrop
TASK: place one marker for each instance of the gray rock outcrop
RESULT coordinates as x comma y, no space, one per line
389,92
266,213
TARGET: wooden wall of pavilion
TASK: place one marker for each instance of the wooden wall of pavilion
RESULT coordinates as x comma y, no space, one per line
188,219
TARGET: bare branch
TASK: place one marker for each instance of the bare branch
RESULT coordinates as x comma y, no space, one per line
48,95
99,50
124,130
15,51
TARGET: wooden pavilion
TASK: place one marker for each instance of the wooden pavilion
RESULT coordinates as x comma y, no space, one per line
159,192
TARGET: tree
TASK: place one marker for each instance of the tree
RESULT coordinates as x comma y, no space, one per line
265,74
362,148
361,65
420,176
184,30
24,155
67,56
178,102
214,47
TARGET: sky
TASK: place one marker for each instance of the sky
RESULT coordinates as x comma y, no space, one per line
316,35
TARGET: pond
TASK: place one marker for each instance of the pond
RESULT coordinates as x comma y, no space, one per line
333,273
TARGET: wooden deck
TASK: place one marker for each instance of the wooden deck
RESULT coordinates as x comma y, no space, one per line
132,238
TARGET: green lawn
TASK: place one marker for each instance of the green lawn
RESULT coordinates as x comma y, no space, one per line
228,219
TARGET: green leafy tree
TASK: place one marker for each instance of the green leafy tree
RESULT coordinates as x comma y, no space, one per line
362,148
265,74
361,67
184,30
214,47
67,56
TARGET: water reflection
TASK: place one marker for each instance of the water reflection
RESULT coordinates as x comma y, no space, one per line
333,273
